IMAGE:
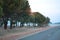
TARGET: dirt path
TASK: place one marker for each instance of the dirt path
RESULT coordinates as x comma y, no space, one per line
18,35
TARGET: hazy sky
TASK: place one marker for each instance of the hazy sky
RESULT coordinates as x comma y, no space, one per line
50,8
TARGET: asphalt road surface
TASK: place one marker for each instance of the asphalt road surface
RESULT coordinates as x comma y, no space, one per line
51,34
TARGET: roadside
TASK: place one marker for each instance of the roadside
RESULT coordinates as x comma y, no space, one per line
22,32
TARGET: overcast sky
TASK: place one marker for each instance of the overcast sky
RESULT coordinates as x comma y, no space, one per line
50,8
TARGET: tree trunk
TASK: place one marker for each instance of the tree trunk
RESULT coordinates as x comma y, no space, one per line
29,24
21,25
10,24
16,23
5,24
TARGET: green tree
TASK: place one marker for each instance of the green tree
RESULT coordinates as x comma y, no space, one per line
38,18
11,7
47,20
1,9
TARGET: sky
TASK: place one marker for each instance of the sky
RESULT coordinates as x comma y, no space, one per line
49,8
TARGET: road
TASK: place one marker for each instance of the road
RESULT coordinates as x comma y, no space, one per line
51,34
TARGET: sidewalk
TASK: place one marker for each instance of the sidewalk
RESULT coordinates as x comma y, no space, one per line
18,35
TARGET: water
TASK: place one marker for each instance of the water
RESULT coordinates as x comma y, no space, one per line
25,24
54,24
18,24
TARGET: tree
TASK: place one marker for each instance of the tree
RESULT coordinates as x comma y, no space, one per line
38,18
11,7
7,10
1,11
47,20
24,14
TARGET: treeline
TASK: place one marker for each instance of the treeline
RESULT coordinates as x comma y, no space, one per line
19,11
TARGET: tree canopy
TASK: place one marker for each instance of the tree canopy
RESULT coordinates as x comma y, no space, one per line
19,10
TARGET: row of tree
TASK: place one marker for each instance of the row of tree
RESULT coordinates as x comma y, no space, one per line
19,10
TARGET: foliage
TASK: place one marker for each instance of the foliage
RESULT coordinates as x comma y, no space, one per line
1,11
19,10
